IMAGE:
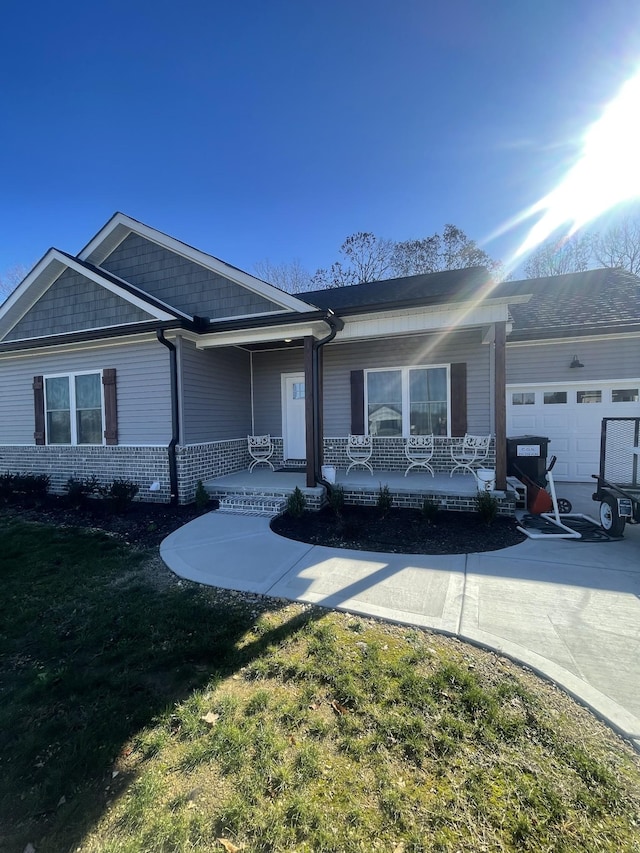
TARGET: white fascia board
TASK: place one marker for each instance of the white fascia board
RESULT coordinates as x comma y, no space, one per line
415,320
266,334
544,342
244,279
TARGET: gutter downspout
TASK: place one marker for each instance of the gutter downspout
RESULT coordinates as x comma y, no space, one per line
175,420
336,325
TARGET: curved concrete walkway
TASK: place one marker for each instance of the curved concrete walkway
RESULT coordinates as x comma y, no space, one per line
569,610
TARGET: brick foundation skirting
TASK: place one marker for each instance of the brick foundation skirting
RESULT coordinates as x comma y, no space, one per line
146,465
140,465
415,500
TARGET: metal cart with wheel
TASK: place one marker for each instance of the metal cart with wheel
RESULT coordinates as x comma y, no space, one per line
618,488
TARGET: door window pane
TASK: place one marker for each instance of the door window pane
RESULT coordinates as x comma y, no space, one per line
384,395
428,401
555,397
298,390
624,395
589,396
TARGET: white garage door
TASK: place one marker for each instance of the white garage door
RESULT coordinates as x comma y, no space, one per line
570,416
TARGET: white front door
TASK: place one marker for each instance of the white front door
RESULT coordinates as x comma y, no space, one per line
293,416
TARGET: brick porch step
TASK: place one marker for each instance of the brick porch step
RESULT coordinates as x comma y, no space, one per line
252,505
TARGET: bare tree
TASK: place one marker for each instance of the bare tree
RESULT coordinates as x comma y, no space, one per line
365,258
291,277
10,279
557,257
411,257
452,250
619,246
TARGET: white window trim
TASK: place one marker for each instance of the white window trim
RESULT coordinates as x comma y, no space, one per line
72,407
404,371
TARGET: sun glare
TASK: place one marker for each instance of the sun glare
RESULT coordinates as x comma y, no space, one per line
607,173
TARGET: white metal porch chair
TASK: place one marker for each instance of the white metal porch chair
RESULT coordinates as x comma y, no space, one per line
471,453
359,450
260,450
419,451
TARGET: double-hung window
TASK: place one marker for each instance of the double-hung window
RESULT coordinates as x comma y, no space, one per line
407,401
74,409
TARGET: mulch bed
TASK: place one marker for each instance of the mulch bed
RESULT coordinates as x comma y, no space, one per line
143,525
401,531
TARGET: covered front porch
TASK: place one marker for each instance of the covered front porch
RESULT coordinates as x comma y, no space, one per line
264,491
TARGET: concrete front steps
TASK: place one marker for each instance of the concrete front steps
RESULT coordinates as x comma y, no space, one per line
252,505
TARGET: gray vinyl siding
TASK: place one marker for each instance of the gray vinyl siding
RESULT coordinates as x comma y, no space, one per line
181,283
73,303
341,359
549,362
268,368
216,393
143,389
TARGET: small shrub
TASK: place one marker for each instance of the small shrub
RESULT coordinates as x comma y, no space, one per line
486,506
384,501
33,485
336,500
78,491
202,496
296,503
7,487
119,494
430,510
23,488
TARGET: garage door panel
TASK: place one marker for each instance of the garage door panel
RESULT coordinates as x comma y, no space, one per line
584,470
555,422
523,423
559,445
573,428
588,444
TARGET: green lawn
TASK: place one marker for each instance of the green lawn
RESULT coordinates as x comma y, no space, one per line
142,714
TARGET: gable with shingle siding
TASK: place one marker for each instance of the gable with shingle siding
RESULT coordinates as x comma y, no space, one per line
182,283
74,302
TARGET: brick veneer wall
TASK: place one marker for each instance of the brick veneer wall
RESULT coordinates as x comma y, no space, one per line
388,454
414,500
215,459
141,465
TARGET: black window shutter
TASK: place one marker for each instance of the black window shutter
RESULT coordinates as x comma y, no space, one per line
458,399
110,406
38,405
357,402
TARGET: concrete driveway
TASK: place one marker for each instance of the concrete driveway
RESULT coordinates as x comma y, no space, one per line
568,609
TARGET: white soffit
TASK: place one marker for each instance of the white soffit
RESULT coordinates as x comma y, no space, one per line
267,334
414,320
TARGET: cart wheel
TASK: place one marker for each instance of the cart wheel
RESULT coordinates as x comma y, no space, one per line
609,518
564,506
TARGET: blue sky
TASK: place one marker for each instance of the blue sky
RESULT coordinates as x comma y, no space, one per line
275,128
